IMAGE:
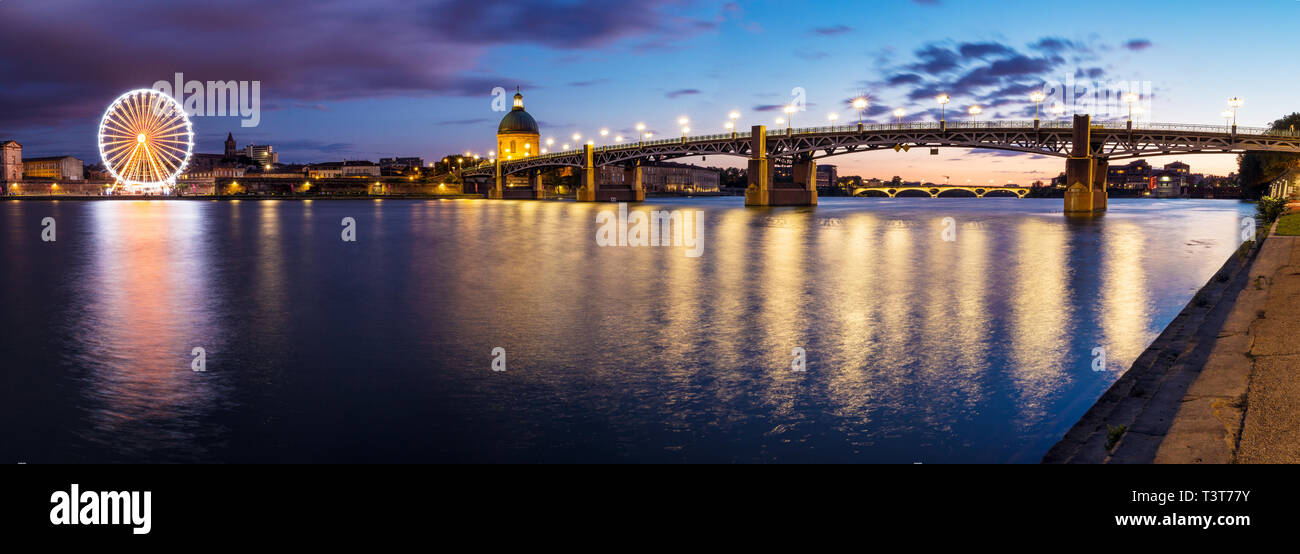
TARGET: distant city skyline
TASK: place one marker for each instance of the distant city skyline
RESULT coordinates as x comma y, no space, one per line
421,84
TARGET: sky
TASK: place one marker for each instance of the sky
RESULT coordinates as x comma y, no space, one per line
341,79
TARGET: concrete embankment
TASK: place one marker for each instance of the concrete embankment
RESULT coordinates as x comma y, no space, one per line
1191,396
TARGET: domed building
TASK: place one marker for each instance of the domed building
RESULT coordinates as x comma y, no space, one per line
518,135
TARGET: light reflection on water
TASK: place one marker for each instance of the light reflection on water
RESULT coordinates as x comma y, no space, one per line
919,349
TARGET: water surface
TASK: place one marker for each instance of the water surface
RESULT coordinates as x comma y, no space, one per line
919,349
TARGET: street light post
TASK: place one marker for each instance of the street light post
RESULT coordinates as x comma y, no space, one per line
898,113
832,117
1037,98
943,100
1130,99
733,117
789,118
640,132
974,111
1235,103
860,104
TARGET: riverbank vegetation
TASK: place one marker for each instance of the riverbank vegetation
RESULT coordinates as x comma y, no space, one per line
1289,225
1268,209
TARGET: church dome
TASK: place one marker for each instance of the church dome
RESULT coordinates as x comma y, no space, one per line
518,120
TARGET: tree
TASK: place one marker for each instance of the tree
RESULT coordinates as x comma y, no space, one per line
1255,170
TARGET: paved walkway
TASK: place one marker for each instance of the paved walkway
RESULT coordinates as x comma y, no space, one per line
1244,406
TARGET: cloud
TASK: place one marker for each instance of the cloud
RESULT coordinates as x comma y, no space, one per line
464,121
588,83
682,92
833,30
1138,44
985,49
64,61
996,75
936,59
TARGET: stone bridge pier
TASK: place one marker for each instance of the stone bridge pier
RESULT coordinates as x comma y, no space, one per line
500,191
763,192
590,189
1085,174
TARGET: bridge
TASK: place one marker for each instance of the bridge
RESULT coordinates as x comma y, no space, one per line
935,191
1087,146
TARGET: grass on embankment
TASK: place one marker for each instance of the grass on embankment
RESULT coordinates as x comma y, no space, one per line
1289,225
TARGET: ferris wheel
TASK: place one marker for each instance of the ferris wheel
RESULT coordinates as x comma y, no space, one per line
145,140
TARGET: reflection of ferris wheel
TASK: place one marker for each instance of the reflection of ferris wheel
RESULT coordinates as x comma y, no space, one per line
145,140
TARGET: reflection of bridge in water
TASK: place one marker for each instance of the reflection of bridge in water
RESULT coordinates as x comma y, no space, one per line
936,191
1087,147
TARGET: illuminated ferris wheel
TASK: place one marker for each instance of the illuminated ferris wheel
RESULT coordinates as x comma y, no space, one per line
145,140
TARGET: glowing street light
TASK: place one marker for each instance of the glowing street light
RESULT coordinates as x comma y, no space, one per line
734,116
550,141
730,126
832,117
618,138
604,133
1057,109
860,103
640,131
974,111
648,135
1234,103
943,100
685,130
1130,99
899,113
789,116
1037,98
565,147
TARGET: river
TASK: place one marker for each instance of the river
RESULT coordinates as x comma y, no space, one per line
931,330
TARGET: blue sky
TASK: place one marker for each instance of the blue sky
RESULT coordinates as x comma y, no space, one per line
370,79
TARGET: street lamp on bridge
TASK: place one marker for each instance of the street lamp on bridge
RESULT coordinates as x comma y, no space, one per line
974,111
1037,98
604,133
640,128
789,118
1235,103
860,103
734,118
1057,109
832,117
1130,99
943,100
898,113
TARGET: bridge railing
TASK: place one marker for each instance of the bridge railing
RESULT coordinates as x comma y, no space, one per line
955,125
